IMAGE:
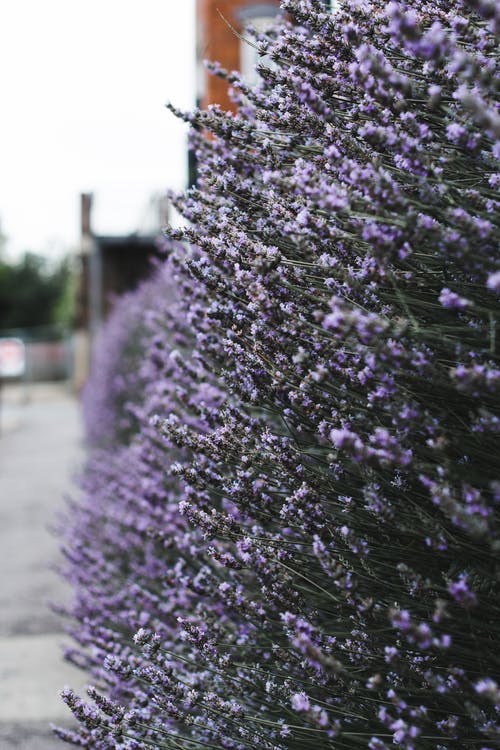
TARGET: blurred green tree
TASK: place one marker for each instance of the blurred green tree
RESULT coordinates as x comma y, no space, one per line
35,292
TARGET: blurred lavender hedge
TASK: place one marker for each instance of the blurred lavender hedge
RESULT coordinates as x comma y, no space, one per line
289,531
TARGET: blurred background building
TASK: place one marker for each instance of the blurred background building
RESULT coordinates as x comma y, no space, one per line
220,28
108,266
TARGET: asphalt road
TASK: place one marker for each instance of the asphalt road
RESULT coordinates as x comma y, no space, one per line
40,452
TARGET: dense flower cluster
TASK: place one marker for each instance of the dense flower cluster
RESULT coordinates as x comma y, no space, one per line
297,543
118,378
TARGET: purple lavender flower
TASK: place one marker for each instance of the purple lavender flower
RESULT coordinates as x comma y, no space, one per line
291,496
453,301
493,282
461,592
300,702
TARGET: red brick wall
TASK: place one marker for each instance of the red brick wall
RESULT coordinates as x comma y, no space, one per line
219,42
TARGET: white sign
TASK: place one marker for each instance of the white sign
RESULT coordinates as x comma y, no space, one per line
12,358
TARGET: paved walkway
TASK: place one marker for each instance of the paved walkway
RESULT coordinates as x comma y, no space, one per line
39,452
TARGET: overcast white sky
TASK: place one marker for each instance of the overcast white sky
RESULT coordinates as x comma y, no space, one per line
82,90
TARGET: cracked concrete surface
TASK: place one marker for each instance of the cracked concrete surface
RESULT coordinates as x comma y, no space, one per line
39,453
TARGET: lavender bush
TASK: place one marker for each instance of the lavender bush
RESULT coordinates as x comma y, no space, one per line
298,546
118,379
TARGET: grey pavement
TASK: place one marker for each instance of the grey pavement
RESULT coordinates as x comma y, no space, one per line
40,451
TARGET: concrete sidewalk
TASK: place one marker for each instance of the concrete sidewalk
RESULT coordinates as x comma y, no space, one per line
40,450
